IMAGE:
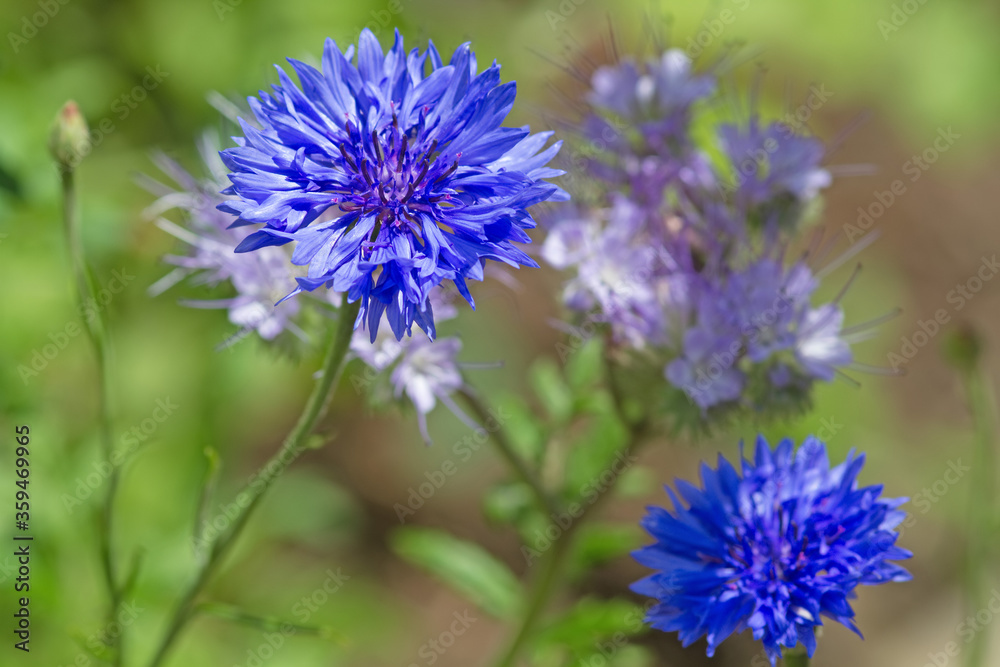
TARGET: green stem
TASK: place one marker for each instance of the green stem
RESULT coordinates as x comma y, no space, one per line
545,501
97,333
552,566
982,512
294,445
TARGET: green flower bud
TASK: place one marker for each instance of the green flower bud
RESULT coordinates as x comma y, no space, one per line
70,138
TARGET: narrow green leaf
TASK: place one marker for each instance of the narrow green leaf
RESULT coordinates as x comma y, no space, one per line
550,386
464,566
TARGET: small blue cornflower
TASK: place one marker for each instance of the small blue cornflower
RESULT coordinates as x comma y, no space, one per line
392,173
770,548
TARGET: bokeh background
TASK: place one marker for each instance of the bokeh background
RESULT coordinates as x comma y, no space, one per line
937,67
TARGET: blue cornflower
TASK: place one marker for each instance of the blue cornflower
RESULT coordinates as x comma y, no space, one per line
392,173
770,548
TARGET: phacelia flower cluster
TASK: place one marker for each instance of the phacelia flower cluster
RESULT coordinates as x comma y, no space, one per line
258,280
771,547
423,371
392,173
678,244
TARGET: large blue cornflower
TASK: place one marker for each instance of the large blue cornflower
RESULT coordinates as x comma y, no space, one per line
771,549
392,173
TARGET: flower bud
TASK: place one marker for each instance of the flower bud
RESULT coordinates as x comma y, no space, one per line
70,138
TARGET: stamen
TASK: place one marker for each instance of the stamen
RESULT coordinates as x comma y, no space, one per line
378,148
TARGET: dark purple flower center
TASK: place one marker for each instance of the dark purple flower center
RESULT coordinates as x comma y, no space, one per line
394,176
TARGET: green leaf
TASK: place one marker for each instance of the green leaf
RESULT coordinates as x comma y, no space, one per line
464,566
597,457
524,429
551,388
592,621
507,503
599,543
585,366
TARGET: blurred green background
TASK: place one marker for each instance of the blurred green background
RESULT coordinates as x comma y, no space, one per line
940,69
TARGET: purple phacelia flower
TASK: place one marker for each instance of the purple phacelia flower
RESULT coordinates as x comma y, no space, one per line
259,279
617,274
770,548
759,316
424,371
392,173
773,162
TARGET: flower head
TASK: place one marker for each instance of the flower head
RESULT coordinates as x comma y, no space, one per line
392,173
678,234
772,547
425,371
773,162
753,319
259,279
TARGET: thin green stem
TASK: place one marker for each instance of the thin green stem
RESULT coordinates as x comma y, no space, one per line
97,333
982,511
547,579
546,502
294,445
542,589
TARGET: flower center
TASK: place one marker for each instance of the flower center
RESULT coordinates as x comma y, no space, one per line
394,176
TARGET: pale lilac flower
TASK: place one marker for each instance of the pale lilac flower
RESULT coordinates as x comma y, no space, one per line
259,280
